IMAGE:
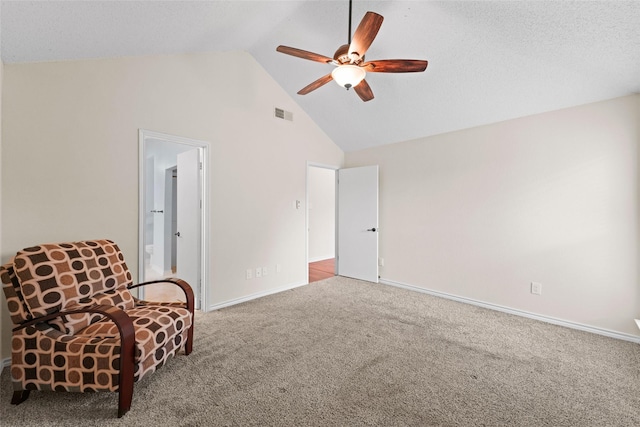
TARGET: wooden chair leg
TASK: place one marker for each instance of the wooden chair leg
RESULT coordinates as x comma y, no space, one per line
125,389
125,395
188,347
20,396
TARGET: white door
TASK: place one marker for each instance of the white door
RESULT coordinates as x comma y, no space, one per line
358,223
188,220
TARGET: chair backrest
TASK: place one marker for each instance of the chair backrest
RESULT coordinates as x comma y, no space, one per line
63,276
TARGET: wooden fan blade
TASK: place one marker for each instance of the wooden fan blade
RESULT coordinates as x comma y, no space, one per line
364,91
365,33
315,85
395,66
304,54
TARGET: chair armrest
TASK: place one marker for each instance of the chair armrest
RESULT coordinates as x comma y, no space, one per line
117,315
186,288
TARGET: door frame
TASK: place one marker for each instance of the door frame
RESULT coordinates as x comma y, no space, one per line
335,231
143,135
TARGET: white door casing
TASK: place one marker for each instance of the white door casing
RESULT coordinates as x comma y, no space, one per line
176,144
357,223
188,219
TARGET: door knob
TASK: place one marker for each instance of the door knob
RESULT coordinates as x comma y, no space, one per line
372,229
177,234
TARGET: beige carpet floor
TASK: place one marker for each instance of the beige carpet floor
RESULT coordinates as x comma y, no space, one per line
341,352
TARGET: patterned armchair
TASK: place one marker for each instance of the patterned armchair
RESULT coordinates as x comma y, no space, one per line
77,327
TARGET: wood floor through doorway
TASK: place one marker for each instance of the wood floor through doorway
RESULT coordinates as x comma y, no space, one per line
321,270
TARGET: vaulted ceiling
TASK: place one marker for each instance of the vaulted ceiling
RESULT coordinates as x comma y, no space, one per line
488,60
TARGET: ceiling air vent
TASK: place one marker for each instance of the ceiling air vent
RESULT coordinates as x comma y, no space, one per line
282,114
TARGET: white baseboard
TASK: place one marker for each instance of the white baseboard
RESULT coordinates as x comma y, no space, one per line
321,258
522,313
255,296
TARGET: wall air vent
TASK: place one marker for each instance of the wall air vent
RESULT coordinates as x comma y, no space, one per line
282,114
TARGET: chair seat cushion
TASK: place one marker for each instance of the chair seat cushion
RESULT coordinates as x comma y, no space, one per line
73,323
160,332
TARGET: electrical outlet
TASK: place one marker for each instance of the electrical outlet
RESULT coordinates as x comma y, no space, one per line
249,273
278,268
536,288
258,272
381,262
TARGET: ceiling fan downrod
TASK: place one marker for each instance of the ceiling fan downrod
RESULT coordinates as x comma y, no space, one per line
349,35
347,74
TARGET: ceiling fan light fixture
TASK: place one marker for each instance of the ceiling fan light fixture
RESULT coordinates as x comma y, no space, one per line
348,76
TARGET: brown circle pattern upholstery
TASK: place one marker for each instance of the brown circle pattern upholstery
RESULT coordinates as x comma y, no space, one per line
51,360
81,352
159,334
15,301
63,276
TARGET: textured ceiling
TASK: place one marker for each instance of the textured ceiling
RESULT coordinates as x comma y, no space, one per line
488,61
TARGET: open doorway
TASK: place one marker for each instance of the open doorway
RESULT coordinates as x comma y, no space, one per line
354,226
321,221
172,215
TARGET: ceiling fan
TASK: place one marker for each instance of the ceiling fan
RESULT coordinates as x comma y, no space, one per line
351,68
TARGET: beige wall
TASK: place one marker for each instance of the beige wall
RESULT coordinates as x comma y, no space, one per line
479,213
552,198
70,160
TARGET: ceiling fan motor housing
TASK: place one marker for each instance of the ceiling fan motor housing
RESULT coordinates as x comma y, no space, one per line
342,55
